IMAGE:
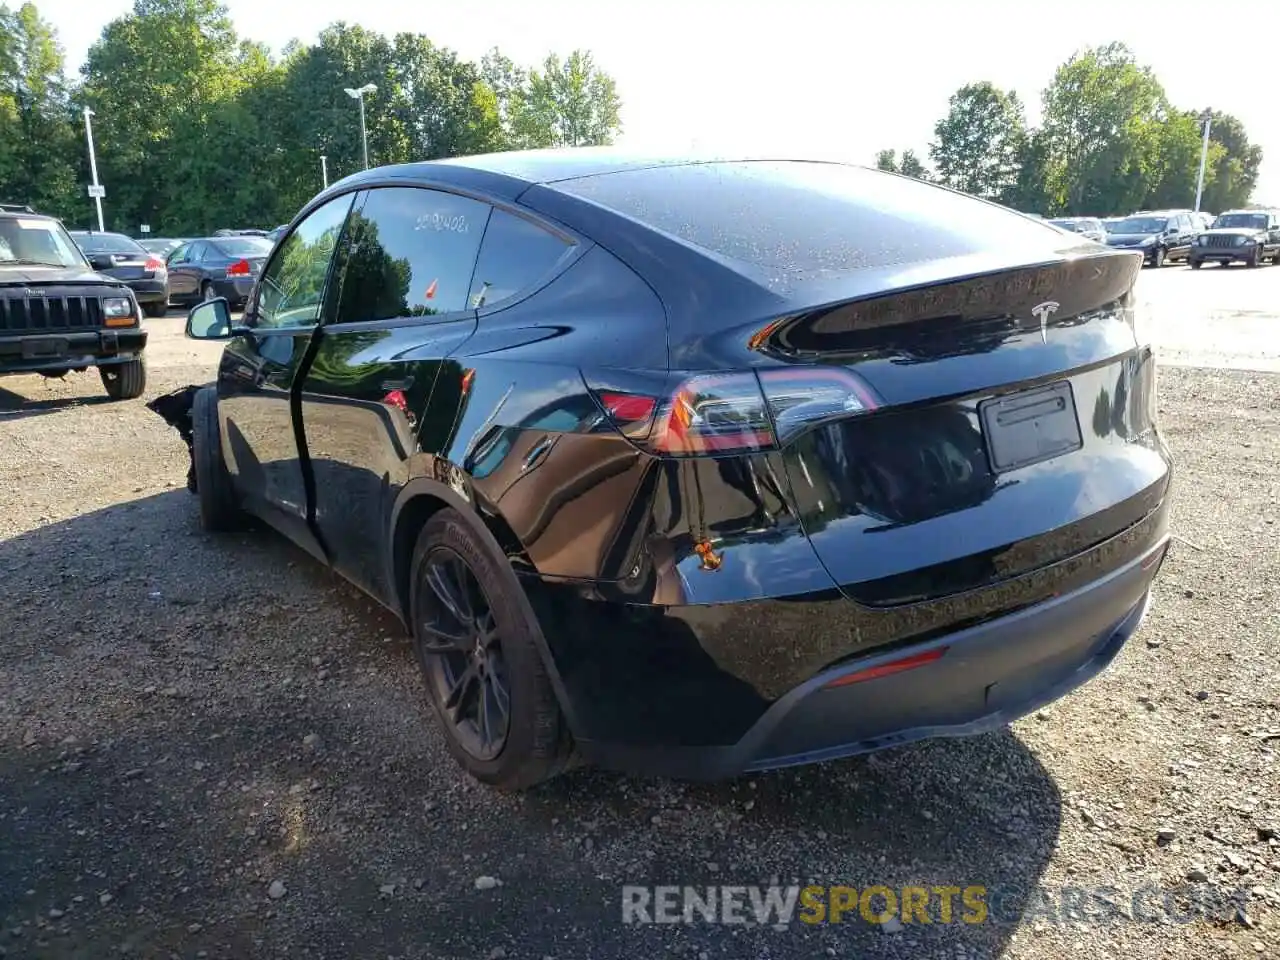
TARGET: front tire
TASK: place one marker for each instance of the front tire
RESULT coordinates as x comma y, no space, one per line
479,648
155,310
1255,258
124,381
1157,258
1196,264
219,508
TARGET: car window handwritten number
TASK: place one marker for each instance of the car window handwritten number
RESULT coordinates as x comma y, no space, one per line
441,223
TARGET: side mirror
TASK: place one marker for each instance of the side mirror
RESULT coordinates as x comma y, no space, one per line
210,320
101,261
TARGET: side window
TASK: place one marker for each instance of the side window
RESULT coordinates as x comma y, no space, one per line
412,253
291,291
178,254
515,254
196,252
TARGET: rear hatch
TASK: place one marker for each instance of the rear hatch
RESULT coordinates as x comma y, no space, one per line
1007,422
956,391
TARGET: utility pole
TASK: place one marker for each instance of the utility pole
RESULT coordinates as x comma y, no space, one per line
95,190
1206,120
324,170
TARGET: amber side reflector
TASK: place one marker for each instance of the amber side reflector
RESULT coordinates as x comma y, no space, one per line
119,322
890,668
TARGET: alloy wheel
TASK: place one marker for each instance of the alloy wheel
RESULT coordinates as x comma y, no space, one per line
461,652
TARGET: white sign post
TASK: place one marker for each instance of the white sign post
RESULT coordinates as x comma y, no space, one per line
96,190
145,228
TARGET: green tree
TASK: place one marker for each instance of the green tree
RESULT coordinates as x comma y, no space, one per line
1176,162
1102,114
1235,169
38,143
1029,191
569,103
912,167
887,160
441,101
156,79
979,142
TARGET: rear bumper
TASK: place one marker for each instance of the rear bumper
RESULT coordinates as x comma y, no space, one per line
235,290
986,676
56,351
150,291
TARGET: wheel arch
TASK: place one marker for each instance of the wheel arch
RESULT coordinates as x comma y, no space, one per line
420,500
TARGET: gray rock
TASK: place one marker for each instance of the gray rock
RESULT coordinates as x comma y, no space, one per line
276,890
1166,835
486,883
1197,874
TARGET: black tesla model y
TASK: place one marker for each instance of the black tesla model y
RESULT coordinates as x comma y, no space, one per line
697,467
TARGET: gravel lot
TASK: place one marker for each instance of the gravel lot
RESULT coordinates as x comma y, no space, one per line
186,722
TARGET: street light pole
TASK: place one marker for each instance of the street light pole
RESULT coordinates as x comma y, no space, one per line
358,93
364,134
1206,120
93,168
324,170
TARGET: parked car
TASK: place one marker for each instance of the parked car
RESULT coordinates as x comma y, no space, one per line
1088,227
1250,236
1158,235
666,488
217,267
277,232
57,314
125,259
1203,221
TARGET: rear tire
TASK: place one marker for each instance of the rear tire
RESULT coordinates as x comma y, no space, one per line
207,292
155,310
219,509
124,381
490,654
1196,264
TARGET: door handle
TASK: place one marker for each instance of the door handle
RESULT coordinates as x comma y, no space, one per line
536,453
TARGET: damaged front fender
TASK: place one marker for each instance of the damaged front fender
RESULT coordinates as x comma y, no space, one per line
175,409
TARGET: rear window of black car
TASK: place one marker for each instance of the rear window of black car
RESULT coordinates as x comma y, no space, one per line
797,221
242,246
107,243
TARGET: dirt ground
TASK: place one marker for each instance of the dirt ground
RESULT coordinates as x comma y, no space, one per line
186,721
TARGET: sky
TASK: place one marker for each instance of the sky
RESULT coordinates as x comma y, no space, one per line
804,78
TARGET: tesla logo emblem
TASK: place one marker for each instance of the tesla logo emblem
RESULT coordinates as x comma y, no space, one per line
1042,312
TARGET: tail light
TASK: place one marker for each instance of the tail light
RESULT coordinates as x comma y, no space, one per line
240,268
155,265
717,414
